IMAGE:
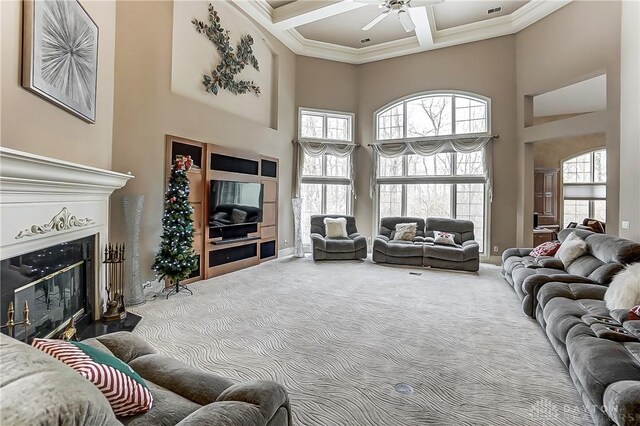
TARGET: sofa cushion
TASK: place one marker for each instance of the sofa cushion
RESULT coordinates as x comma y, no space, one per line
599,363
452,253
561,314
511,262
339,245
404,249
461,229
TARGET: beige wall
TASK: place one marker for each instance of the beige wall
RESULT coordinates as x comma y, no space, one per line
629,122
542,57
146,110
486,68
30,123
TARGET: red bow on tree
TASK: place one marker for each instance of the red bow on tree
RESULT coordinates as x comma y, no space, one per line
183,162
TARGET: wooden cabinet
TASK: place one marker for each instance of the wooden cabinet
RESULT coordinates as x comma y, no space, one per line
543,235
546,196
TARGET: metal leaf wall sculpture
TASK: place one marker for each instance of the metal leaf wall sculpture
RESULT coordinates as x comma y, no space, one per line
231,64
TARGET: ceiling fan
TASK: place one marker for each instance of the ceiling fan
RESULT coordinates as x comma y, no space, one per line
401,8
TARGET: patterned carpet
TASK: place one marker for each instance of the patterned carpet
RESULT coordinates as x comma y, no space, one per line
340,335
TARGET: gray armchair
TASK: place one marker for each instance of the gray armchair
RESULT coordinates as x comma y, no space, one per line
323,248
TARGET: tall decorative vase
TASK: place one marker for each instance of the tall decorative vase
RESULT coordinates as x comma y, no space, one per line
298,249
132,206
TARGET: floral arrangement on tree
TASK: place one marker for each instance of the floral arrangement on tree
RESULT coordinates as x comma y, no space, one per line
175,259
223,75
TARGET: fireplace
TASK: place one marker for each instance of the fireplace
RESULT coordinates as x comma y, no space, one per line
55,223
57,283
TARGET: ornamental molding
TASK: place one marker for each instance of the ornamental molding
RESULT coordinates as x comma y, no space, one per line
63,221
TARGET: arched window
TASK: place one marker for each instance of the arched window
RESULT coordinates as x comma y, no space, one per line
447,184
584,184
432,115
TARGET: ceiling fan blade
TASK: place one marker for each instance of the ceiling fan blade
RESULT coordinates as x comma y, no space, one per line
420,3
375,21
406,21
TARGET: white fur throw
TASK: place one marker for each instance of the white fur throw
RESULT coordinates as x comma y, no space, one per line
624,290
335,228
571,248
405,231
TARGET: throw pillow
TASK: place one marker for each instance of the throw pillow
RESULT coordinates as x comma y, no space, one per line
125,390
634,313
571,248
405,231
624,290
445,238
238,216
335,228
545,249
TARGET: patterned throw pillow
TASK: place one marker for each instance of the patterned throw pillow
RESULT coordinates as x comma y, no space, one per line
634,313
545,249
405,231
445,238
125,390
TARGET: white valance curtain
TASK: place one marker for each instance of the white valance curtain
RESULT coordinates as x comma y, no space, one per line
316,149
432,147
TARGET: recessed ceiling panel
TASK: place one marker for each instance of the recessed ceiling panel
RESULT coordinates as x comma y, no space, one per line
345,29
277,3
453,13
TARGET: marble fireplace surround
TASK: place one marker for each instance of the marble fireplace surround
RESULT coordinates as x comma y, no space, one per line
44,202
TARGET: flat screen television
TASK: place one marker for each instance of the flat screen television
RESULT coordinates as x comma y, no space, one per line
234,203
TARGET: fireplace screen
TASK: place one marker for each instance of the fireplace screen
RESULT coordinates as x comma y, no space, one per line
56,282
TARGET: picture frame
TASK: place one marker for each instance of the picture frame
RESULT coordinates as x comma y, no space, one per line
60,55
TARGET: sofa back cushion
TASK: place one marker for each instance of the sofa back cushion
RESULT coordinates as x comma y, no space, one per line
462,230
317,223
606,255
388,225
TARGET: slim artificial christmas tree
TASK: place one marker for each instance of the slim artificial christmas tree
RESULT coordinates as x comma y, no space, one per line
175,259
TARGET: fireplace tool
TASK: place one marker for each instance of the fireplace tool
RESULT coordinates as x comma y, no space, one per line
10,324
114,266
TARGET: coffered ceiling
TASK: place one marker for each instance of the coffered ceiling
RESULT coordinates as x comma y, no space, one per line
332,29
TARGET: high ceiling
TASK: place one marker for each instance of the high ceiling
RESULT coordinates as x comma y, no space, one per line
332,29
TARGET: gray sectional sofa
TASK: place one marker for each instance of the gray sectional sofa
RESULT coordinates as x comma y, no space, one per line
606,256
422,251
323,248
181,395
600,348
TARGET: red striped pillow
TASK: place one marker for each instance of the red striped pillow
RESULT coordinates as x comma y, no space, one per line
125,390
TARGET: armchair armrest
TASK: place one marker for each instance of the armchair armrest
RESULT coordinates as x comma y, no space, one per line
318,241
383,238
520,252
470,243
621,402
356,235
266,395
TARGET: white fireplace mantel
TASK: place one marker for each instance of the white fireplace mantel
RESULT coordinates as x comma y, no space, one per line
44,202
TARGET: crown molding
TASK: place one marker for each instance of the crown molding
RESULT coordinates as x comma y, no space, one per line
527,15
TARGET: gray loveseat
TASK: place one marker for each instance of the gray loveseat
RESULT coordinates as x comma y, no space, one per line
35,388
422,251
606,256
354,246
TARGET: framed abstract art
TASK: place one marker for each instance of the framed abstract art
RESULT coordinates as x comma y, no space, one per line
60,55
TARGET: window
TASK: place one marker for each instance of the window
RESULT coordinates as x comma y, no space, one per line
326,179
584,179
448,184
441,185
325,125
433,115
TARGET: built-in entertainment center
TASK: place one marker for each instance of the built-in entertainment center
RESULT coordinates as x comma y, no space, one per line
234,195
